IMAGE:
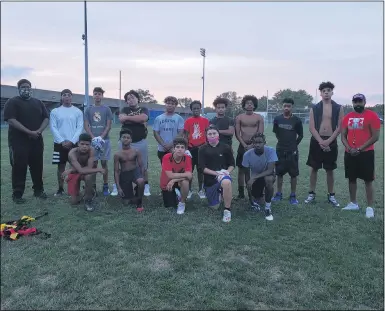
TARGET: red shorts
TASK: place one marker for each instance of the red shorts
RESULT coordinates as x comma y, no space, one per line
73,181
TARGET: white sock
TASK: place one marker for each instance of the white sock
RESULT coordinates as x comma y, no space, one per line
181,204
268,205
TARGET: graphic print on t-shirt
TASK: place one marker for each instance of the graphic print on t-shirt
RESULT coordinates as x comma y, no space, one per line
197,131
97,117
356,123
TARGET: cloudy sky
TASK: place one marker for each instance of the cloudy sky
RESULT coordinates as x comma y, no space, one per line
251,47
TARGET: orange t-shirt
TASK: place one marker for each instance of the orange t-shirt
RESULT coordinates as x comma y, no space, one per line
196,127
359,125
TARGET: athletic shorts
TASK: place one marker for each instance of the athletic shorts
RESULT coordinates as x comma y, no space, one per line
105,154
318,158
73,182
258,187
194,153
360,166
287,163
142,146
214,192
60,154
241,151
169,197
126,179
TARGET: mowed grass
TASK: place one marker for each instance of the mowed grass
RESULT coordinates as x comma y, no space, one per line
309,257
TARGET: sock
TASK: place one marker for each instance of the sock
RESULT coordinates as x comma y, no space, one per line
268,205
181,204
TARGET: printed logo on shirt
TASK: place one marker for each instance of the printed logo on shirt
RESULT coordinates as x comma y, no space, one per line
197,131
285,126
356,123
97,116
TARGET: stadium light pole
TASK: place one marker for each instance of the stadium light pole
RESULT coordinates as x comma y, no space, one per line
85,39
203,54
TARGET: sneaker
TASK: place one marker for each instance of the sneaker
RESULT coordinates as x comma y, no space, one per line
268,214
89,206
181,208
293,199
40,195
369,212
140,209
106,191
190,193
202,194
226,216
310,198
277,197
59,193
178,195
146,190
332,200
18,199
351,207
255,206
114,192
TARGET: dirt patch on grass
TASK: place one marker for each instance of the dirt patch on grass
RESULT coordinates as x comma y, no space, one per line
49,279
159,263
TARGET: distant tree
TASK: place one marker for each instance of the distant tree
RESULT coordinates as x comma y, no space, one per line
379,108
185,102
262,104
146,96
301,98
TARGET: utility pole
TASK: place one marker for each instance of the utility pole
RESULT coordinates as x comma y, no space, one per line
203,54
120,90
85,38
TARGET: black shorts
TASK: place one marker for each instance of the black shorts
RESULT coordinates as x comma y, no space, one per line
360,166
126,179
60,154
241,151
161,154
194,154
318,158
169,197
287,163
258,187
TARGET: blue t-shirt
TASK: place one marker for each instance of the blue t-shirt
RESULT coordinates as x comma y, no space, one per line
258,163
168,127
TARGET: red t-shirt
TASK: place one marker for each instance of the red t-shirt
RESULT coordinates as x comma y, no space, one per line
196,126
169,164
358,125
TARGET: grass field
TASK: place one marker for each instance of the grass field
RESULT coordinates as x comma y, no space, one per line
309,257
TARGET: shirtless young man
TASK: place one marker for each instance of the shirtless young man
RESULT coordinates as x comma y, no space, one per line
247,125
324,124
127,172
81,159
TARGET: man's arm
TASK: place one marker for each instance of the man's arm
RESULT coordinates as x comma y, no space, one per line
83,170
172,175
140,162
338,128
299,129
79,128
54,129
374,128
87,127
230,160
275,127
17,125
159,139
45,117
140,118
238,131
10,116
269,171
107,129
261,124
312,128
229,131
344,138
116,170
180,126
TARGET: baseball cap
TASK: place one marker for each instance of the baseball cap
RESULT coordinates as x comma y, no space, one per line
359,96
98,89
65,91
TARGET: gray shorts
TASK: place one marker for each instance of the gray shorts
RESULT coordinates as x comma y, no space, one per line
142,146
104,155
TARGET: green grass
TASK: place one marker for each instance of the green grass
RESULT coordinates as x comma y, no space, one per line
309,257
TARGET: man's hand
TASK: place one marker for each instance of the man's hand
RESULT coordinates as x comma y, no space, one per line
248,147
250,183
101,170
325,143
65,174
168,146
170,185
120,191
34,134
354,152
122,117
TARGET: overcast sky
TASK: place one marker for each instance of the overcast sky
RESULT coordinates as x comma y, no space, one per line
251,47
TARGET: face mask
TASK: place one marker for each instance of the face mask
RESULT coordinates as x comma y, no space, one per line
359,109
25,93
213,140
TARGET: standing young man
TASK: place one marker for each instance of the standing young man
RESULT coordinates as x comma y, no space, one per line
360,131
129,169
134,118
261,163
27,118
81,159
216,160
224,124
247,125
97,123
324,124
167,126
195,131
66,123
289,132
176,176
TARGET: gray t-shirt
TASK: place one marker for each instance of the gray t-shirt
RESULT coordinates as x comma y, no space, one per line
168,127
97,117
256,163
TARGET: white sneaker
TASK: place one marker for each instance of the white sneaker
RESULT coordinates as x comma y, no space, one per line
226,216
310,198
351,207
202,194
268,214
190,193
114,192
181,208
146,190
369,212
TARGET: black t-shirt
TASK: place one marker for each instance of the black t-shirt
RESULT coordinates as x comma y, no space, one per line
29,113
223,124
139,130
215,158
289,132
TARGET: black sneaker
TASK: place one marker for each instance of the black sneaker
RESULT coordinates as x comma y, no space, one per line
59,193
40,195
268,214
18,199
89,206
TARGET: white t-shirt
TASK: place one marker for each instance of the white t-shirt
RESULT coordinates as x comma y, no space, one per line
66,123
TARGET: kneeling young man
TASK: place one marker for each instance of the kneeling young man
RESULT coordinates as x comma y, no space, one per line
81,159
176,176
127,173
261,162
216,160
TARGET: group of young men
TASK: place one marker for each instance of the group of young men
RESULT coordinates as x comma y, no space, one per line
186,145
